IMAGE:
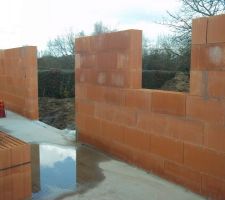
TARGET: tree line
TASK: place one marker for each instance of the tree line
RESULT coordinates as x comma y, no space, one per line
160,61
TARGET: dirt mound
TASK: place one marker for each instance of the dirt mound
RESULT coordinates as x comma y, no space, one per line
179,83
57,112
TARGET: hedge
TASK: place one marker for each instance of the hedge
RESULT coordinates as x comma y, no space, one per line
60,84
56,83
154,79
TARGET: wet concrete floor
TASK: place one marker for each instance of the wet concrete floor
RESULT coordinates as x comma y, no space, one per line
53,170
63,169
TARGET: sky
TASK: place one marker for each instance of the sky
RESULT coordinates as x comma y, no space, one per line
35,22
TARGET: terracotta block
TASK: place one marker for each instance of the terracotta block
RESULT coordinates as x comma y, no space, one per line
138,99
85,107
104,111
83,44
208,57
80,121
168,102
95,93
185,130
77,61
127,117
17,183
145,121
21,182
85,75
215,137
33,115
204,160
27,180
213,187
28,52
20,154
121,151
6,184
216,84
156,127
112,131
108,41
117,40
135,79
137,139
114,96
150,162
13,152
125,78
107,60
102,143
85,138
196,54
92,126
119,78
183,175
80,91
1,185
207,110
12,53
199,30
198,83
87,61
216,29
124,60
136,45
5,155
174,127
102,78
167,148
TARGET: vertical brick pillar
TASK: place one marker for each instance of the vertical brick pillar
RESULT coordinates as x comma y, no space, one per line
111,59
106,65
207,61
206,101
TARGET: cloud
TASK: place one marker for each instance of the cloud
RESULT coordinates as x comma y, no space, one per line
51,154
34,22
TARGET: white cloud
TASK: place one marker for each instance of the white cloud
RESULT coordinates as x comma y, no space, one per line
50,154
34,22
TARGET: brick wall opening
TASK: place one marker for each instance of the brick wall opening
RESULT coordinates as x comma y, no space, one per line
165,68
179,136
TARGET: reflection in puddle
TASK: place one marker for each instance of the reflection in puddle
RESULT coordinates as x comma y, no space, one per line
53,171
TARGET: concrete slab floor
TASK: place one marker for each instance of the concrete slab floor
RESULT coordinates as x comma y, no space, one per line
99,176
32,131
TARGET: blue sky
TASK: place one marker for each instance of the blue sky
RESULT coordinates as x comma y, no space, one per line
34,22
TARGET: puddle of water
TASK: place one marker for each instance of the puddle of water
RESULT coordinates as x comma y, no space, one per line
53,171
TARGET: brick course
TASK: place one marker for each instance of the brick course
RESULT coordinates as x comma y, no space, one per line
178,136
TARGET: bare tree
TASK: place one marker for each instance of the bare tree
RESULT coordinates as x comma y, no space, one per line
100,28
63,45
181,21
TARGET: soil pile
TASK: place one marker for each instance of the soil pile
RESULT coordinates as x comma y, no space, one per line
57,112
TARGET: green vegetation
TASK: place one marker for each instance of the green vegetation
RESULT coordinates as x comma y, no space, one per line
161,62
56,83
154,79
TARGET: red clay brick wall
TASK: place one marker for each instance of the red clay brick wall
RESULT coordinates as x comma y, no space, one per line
18,80
178,136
